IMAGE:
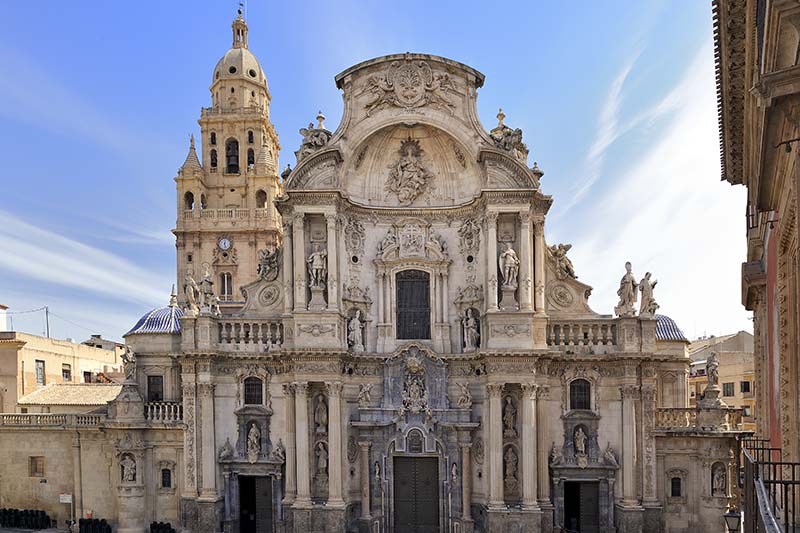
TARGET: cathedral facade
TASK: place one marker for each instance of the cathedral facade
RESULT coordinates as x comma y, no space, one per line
380,339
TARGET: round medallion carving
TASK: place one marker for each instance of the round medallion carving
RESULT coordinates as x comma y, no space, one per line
561,295
269,296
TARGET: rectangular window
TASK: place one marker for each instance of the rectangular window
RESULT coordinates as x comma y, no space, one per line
727,389
66,372
676,487
166,478
155,388
744,386
40,373
36,466
746,410
87,377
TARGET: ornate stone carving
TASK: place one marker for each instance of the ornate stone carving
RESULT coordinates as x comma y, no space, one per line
471,326
317,329
127,465
564,268
719,480
648,306
511,330
225,451
470,296
269,295
561,296
365,394
355,333
509,418
511,462
313,138
469,237
409,176
317,267
626,293
268,264
279,453
352,449
415,393
609,457
477,450
409,85
465,397
509,266
354,237
253,443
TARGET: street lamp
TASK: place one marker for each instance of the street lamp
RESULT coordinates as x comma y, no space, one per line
732,520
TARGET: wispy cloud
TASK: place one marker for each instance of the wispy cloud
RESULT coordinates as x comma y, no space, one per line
33,252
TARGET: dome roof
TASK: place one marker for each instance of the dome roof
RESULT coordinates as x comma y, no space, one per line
237,64
668,330
161,320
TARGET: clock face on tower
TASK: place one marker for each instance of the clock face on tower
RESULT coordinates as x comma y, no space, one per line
224,244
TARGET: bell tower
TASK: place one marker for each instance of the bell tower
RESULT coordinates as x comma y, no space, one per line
225,210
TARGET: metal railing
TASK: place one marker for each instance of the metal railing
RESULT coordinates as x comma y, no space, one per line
771,501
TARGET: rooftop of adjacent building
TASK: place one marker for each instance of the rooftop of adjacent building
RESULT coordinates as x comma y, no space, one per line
740,342
60,347
89,394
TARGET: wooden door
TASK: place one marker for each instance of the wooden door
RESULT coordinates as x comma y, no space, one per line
416,495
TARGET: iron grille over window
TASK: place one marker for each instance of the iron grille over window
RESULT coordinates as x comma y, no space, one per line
413,305
166,478
579,394
253,394
676,487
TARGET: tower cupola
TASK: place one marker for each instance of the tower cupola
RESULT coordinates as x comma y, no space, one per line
239,31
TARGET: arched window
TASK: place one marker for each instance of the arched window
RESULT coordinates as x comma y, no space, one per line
232,156
261,199
413,305
203,203
213,159
580,395
250,136
213,139
225,286
188,200
251,157
253,391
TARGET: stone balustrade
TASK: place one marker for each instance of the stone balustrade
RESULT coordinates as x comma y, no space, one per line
676,418
262,216
581,333
209,111
698,419
250,335
51,420
164,412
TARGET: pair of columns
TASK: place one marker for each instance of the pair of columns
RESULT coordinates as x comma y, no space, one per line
296,266
529,428
298,471
531,285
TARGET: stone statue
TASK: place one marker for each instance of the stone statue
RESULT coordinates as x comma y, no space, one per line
268,264
206,288
318,266
465,399
253,443
436,240
556,455
408,177
648,305
313,140
609,456
226,451
719,481
626,293
511,462
191,291
321,415
355,334
564,268
579,439
712,369
129,364
279,453
322,459
213,304
454,473
128,468
510,419
471,335
388,240
509,266
364,394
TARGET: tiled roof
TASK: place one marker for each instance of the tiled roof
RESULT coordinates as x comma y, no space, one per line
161,320
72,394
668,330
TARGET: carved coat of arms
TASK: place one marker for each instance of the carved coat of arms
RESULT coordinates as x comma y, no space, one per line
409,85
408,177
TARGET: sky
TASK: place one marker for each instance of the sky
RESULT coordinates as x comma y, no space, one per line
616,101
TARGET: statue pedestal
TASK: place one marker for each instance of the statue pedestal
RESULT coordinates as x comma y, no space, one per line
711,399
317,302
508,302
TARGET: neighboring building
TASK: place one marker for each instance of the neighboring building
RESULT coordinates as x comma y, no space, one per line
736,372
98,341
382,341
29,362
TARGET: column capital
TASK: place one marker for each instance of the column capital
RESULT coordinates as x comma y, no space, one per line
300,388
531,390
525,217
287,225
331,219
538,226
648,393
491,218
288,389
465,446
364,444
205,389
334,388
298,218
630,392
495,390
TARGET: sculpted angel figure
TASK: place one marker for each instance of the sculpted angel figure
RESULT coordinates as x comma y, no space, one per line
318,266
626,293
509,266
564,266
648,305
465,399
268,264
365,395
471,335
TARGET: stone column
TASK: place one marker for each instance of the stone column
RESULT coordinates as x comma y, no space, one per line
77,490
491,256
299,261
291,451
529,456
466,482
649,444
381,281
366,511
495,391
335,444
543,446
303,499
445,299
387,298
208,453
333,263
629,395
288,295
525,281
538,265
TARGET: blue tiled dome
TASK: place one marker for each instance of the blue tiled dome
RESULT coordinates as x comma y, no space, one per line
161,320
668,330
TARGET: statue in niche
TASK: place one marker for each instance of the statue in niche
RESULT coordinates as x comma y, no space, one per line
321,415
206,288
129,364
712,369
471,335
322,459
564,267
355,333
626,293
268,264
365,394
511,469
279,453
408,177
318,266
509,266
191,291
510,418
253,443
579,440
719,481
128,468
465,398
648,305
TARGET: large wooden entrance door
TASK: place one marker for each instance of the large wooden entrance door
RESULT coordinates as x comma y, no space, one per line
582,506
416,495
255,504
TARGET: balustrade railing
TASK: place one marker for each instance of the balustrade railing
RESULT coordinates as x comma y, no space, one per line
51,420
163,411
261,214
251,335
676,418
581,333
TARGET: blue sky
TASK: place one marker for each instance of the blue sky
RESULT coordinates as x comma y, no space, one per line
616,101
